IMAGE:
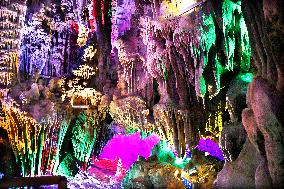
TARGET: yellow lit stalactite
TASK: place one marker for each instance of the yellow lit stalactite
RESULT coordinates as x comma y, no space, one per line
214,124
82,35
84,71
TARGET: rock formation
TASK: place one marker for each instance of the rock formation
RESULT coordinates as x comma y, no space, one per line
263,119
201,75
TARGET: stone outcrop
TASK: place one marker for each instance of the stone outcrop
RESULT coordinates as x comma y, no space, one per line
151,174
260,161
263,119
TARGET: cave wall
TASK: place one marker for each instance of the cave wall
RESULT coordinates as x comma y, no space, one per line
182,64
162,66
263,119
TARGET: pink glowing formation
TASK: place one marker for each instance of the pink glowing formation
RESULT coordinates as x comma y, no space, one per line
128,148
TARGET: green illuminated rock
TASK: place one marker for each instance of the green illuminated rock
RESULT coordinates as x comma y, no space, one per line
84,136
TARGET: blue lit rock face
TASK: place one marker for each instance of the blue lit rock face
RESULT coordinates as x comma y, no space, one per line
47,40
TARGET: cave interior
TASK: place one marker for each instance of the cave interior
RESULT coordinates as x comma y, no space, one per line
140,94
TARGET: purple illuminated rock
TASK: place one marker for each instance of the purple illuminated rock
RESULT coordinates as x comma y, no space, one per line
210,146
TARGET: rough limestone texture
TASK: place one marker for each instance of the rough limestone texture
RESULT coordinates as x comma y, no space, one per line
241,172
266,104
260,163
231,142
151,174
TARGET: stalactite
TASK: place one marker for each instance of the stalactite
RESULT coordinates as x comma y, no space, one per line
11,16
23,133
231,26
266,55
114,28
131,112
178,127
36,144
84,136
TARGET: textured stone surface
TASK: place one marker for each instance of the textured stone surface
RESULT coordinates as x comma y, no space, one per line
266,103
151,174
241,172
231,142
262,178
260,163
